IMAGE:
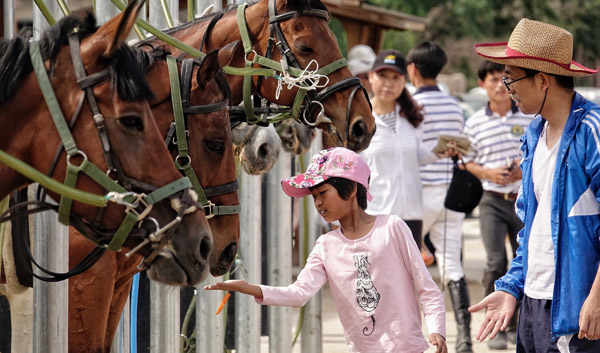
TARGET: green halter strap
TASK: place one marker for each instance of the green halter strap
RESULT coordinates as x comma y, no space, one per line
116,192
182,148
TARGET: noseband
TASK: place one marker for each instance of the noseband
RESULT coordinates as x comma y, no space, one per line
307,100
178,134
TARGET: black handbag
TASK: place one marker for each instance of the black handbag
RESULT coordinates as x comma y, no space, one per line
465,190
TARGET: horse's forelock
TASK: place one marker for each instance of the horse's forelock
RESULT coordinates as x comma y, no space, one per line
302,5
128,77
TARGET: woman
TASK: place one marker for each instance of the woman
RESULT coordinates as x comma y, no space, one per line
396,152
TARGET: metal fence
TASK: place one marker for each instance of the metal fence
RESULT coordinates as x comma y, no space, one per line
51,250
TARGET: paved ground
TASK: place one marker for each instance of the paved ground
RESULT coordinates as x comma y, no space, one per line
474,262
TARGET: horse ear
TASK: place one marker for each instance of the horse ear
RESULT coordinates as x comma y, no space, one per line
208,68
112,34
230,51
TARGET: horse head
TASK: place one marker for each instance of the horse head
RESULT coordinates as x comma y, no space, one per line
114,134
208,140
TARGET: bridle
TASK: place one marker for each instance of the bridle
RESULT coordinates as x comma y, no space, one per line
307,99
137,197
177,136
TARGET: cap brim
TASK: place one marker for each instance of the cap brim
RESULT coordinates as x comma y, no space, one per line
496,52
299,186
389,67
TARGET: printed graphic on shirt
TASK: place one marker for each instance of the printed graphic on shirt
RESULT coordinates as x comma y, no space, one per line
367,296
517,130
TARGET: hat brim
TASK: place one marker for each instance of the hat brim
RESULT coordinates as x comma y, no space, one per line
299,185
389,67
496,52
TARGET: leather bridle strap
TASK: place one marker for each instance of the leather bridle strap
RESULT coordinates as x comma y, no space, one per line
183,159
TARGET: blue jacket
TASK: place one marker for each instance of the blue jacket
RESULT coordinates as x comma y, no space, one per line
575,215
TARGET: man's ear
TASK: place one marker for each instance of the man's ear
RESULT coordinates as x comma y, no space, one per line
544,80
480,82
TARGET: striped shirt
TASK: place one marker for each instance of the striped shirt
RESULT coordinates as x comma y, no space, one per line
442,116
495,140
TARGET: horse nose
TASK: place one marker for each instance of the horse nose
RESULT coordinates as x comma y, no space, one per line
206,245
228,254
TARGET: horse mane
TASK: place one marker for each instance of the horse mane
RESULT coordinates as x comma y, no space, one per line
126,76
299,6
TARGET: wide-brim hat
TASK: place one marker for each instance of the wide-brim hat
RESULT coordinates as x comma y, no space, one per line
538,46
333,162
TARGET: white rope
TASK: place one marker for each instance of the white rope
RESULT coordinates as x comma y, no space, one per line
308,80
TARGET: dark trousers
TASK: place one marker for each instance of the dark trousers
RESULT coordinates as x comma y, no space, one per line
416,227
497,218
533,335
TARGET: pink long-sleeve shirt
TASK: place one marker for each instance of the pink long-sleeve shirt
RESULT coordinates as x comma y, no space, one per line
376,282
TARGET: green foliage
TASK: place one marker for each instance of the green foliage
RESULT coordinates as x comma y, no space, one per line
337,28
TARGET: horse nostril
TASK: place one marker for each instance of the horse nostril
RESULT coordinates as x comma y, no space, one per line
229,252
205,247
358,130
264,150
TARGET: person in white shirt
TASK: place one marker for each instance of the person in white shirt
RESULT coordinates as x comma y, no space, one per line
442,115
396,152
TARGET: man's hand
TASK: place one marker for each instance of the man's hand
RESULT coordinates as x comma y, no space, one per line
500,307
439,342
500,176
589,318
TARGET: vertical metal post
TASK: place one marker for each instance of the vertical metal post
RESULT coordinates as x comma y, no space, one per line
105,10
121,341
247,312
210,328
9,18
311,336
279,252
201,5
156,15
39,21
164,318
51,300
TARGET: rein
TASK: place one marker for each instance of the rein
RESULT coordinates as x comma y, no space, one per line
181,109
137,205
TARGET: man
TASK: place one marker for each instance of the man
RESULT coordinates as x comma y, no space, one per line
360,61
442,115
495,132
555,273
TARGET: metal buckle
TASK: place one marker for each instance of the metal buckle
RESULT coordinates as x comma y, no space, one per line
209,209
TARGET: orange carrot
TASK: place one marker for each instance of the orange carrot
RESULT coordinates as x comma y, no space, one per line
222,305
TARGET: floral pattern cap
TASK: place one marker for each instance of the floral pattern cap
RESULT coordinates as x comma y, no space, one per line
333,162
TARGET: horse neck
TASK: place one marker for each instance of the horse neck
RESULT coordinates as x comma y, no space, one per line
224,32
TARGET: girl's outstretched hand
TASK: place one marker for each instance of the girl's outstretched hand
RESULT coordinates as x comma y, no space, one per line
439,342
237,285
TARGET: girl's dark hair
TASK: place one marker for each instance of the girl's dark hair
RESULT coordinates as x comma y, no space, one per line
410,109
345,187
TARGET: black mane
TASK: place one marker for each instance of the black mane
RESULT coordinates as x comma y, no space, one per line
298,5
126,76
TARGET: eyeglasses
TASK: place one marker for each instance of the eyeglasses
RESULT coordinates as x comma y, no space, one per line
507,83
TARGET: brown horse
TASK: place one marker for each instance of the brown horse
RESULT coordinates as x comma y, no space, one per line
301,26
107,284
122,138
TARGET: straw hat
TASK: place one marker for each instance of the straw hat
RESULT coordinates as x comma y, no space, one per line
538,46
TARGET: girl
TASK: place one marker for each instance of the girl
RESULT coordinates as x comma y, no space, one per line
373,266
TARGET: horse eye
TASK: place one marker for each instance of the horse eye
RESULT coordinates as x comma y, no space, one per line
132,122
216,146
305,49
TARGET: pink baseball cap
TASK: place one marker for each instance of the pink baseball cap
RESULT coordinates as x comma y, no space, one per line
333,162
